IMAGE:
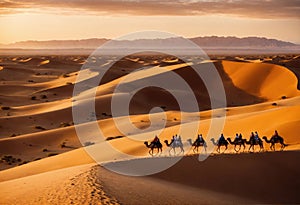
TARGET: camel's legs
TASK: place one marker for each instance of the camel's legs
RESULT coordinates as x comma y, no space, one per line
173,148
156,152
272,147
160,150
151,152
225,148
182,150
282,146
170,151
237,150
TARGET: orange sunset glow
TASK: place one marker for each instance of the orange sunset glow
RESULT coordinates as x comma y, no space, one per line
149,102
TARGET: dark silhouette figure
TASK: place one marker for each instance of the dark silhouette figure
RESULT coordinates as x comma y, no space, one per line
221,142
255,140
274,140
199,142
154,144
238,142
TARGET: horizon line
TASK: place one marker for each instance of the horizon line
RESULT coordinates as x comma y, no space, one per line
107,39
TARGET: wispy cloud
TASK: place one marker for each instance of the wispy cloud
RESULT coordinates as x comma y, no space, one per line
244,8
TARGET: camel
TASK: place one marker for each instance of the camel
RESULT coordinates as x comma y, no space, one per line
239,142
223,143
252,142
152,146
274,140
173,145
197,144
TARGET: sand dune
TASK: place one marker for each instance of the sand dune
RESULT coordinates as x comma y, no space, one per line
268,81
239,92
222,179
242,179
35,95
239,119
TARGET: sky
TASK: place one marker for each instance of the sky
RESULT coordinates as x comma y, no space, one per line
22,20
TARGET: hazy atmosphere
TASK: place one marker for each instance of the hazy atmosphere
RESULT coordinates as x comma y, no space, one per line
149,102
80,19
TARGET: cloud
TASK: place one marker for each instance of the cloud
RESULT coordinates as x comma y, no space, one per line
244,8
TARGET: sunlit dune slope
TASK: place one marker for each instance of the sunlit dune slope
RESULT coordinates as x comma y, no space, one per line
47,125
275,82
263,118
267,81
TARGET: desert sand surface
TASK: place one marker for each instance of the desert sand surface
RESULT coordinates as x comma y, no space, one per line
221,179
44,162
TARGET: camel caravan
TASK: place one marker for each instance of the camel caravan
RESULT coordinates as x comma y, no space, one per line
239,143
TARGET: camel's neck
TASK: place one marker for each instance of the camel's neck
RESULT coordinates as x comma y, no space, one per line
167,143
214,142
247,142
266,139
229,140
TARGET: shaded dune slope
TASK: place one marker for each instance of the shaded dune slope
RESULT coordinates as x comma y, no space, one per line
40,128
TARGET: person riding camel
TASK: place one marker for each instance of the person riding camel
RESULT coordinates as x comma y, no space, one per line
155,140
276,135
240,136
200,138
252,137
173,139
237,137
179,139
176,140
256,137
222,138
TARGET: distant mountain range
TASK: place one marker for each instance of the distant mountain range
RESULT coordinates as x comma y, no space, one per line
54,44
215,41
204,42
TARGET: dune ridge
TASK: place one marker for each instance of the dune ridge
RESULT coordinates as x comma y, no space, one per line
262,96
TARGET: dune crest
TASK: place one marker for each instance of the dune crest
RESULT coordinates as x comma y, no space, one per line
268,81
37,131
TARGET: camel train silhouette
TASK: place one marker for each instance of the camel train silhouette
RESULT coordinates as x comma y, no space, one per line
239,142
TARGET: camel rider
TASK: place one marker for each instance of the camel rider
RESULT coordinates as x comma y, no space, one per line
252,137
222,138
173,139
240,136
237,137
179,139
256,137
200,138
176,140
176,137
156,140
275,135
